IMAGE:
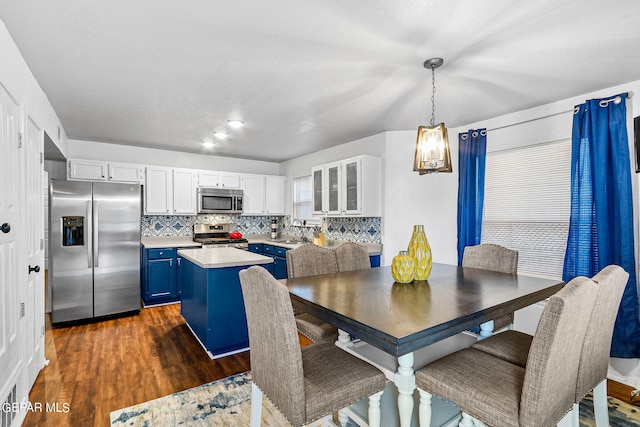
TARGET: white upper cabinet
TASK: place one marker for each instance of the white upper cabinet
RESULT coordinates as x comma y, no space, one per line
253,196
93,170
327,182
274,194
125,172
263,194
229,180
351,197
184,191
87,170
207,179
158,191
348,187
218,179
172,191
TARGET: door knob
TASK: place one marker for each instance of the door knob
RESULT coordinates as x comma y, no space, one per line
36,269
6,227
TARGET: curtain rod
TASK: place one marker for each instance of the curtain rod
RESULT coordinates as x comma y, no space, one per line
548,115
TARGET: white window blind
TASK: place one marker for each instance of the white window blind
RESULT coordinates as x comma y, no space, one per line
302,197
527,205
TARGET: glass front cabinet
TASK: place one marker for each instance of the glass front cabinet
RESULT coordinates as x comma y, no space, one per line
348,187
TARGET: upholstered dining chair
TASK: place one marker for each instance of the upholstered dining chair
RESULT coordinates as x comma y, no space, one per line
352,256
514,346
312,260
489,256
304,384
500,393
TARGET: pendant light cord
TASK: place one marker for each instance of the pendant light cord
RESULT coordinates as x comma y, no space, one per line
433,96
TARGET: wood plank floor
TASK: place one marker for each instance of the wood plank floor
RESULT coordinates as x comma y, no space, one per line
100,367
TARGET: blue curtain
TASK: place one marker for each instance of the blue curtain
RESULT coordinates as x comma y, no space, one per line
601,223
472,153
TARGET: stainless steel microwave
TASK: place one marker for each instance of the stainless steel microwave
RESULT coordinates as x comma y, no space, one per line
219,200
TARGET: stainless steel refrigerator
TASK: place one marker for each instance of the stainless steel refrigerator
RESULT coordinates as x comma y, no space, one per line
95,249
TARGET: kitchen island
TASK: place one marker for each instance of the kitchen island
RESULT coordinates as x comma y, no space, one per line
212,302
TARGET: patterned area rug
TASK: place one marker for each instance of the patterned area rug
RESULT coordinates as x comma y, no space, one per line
621,414
227,402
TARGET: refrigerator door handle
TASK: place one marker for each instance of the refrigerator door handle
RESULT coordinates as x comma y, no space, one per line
89,232
96,228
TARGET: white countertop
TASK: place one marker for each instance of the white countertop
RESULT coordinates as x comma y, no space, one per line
168,242
223,257
372,248
186,241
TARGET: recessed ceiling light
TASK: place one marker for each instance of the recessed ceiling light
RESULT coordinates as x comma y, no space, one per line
220,135
208,143
235,123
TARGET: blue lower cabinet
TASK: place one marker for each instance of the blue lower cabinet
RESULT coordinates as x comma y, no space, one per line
279,268
269,267
375,260
279,262
256,248
161,281
179,261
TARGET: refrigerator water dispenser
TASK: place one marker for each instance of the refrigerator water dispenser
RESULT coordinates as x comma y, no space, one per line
72,231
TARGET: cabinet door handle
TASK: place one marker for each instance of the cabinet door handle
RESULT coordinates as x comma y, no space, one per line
170,263
6,227
179,262
36,269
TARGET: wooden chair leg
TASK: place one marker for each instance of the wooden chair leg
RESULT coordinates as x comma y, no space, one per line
256,406
600,405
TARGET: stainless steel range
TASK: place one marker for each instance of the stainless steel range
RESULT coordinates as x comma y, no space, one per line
217,236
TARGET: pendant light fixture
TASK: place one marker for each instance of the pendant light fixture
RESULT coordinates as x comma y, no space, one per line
432,145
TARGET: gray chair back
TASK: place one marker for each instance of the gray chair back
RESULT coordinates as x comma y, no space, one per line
352,256
552,366
310,260
276,357
491,257
594,360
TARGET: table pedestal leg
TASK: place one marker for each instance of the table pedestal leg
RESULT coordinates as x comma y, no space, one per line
405,380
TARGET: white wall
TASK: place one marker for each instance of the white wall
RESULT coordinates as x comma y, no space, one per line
410,199
91,150
17,78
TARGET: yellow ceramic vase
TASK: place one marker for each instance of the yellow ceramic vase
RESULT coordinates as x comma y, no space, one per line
419,249
403,267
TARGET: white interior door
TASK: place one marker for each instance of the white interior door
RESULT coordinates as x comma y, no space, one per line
34,242
12,275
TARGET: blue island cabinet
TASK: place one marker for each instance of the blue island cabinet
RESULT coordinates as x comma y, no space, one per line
212,302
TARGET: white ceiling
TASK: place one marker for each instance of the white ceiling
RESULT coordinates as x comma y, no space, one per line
307,75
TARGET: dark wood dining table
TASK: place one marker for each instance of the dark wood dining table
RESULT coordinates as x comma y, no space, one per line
402,318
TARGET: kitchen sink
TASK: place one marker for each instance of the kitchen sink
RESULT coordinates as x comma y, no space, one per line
292,241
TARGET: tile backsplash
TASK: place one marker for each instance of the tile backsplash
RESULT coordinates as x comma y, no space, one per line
366,230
